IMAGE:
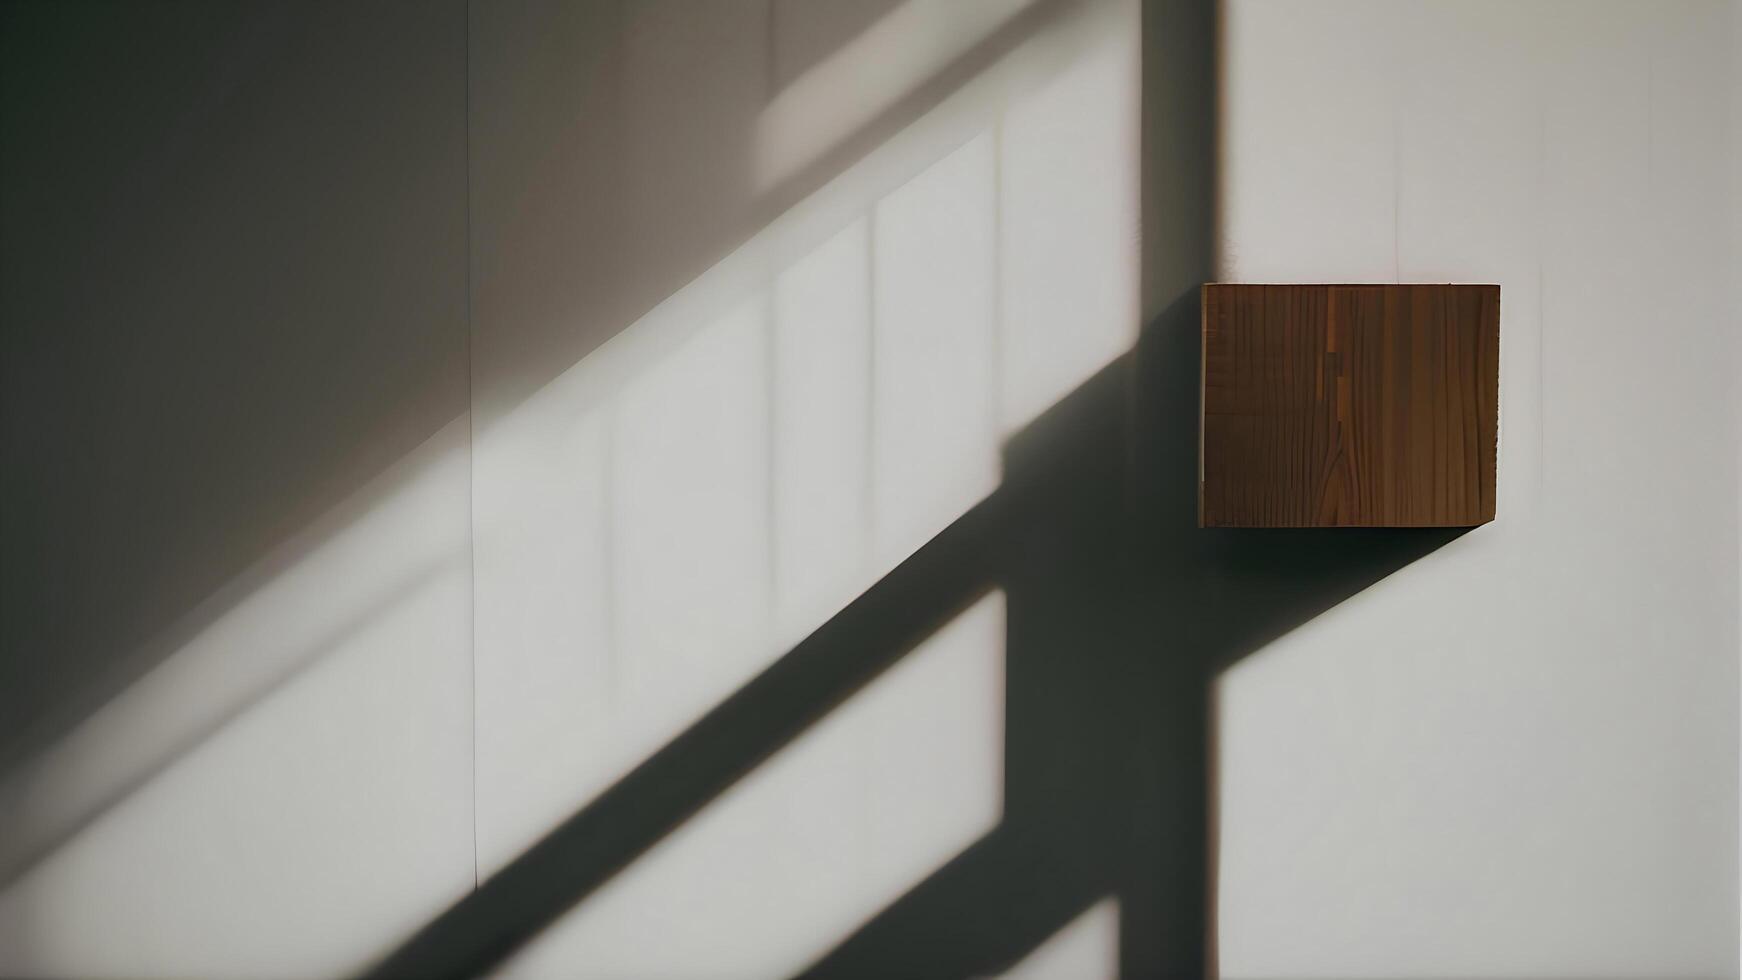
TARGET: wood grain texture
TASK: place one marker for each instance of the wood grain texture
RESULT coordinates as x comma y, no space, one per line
1349,405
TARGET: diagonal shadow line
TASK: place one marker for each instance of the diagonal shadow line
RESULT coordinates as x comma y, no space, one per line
946,926
52,723
913,104
767,207
920,595
209,77
20,857
923,593
1120,612
1119,615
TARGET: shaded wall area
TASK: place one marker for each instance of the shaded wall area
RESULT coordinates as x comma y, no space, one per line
791,567
304,727
1116,615
232,266
661,520
234,639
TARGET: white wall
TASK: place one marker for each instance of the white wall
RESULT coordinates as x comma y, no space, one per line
738,343
661,520
747,324
1517,757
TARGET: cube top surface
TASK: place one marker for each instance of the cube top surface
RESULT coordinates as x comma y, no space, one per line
1349,405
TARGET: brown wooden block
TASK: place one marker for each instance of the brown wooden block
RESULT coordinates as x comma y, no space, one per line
1349,406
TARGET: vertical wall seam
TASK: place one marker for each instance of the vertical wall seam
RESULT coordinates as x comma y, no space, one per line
869,555
996,387
1541,305
770,464
771,375
608,548
471,442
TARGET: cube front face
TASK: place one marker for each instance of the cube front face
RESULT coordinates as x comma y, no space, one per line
1349,405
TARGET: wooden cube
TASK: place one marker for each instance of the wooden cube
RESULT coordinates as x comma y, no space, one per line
1348,405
